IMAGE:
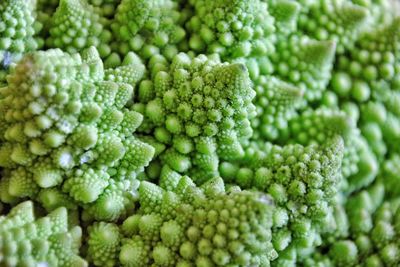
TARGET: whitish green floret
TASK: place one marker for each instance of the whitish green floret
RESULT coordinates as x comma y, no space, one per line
200,109
67,127
197,226
29,241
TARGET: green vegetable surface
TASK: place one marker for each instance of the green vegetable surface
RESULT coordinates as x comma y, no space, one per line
199,133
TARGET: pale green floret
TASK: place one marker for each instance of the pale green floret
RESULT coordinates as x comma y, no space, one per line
381,11
335,20
304,62
199,133
17,29
76,26
390,175
130,71
169,179
86,185
285,13
373,235
117,201
232,29
192,227
104,243
276,103
258,62
147,28
319,126
368,75
359,165
134,253
26,241
213,216
200,109
52,198
302,181
106,8
68,128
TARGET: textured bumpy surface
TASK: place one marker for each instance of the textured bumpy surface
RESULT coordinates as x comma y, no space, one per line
201,107
65,127
26,241
182,225
199,133
302,181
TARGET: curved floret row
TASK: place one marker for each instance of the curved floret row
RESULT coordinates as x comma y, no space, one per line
27,240
67,135
185,225
296,99
199,109
367,232
302,181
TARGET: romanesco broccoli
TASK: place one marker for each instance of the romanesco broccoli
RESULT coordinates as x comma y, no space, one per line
199,133
29,241
66,127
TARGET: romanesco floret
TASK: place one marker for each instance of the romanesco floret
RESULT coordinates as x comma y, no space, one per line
186,225
373,234
381,11
336,20
318,126
147,27
233,29
304,62
389,175
200,109
284,18
149,139
18,27
359,164
66,127
368,75
276,102
302,181
106,8
76,26
285,13
104,241
29,241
